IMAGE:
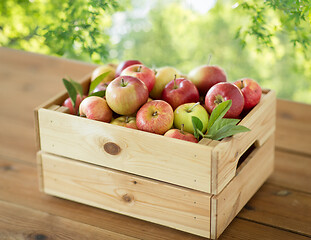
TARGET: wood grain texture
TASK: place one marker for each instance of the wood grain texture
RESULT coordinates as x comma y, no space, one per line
225,156
22,176
23,223
27,80
154,201
292,211
251,175
241,229
293,128
292,171
171,160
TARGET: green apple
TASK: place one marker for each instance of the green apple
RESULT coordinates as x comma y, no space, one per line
163,76
183,114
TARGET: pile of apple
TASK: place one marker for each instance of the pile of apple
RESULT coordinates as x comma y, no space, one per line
163,101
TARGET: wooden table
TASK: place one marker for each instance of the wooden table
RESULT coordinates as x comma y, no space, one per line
281,209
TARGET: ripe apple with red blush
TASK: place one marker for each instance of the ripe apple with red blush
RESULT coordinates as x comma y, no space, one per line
181,134
126,94
206,76
224,91
124,65
141,72
156,116
68,103
251,92
180,91
95,108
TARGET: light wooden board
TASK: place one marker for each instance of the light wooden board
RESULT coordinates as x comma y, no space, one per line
251,175
153,201
225,156
171,160
293,127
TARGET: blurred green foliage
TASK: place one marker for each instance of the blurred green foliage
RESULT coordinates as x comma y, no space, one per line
264,40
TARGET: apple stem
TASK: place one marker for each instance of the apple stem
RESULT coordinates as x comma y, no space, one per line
139,68
155,72
209,59
175,85
182,129
122,82
155,113
127,119
242,84
190,109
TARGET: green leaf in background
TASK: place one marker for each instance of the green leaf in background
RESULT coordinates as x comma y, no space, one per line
77,86
219,112
72,92
197,126
97,81
221,123
228,131
98,94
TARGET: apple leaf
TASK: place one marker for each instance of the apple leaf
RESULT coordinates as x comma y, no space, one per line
77,86
218,113
98,94
221,123
72,92
229,130
197,126
97,81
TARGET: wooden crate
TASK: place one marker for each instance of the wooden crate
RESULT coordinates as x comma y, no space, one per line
193,187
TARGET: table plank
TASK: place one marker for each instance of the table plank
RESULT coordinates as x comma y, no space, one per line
281,208
33,224
293,126
27,80
240,229
292,171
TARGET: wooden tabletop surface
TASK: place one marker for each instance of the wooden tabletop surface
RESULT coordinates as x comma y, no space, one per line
281,209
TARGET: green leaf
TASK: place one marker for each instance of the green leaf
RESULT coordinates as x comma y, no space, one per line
228,131
77,86
72,92
197,126
98,94
97,81
221,123
218,113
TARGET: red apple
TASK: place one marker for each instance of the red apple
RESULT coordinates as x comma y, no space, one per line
156,116
206,76
180,91
68,103
222,92
181,134
125,121
141,72
126,94
251,92
95,108
124,65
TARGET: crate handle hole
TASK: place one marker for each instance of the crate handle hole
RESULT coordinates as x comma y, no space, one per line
245,156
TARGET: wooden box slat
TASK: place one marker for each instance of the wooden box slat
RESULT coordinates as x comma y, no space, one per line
147,199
